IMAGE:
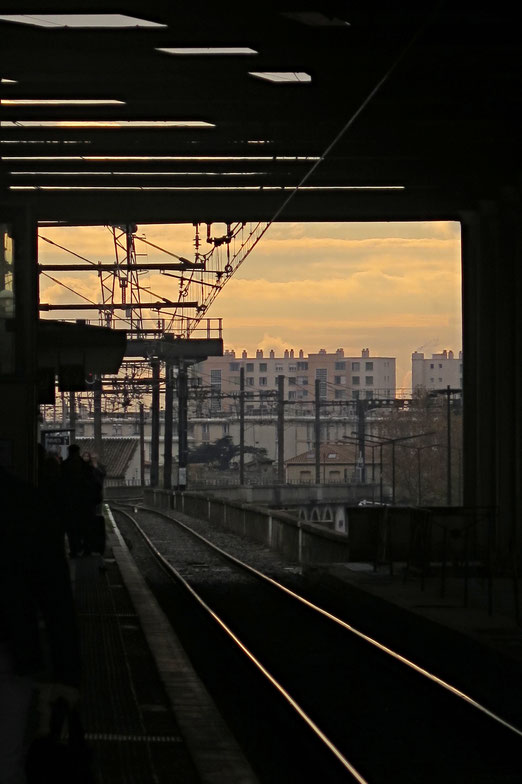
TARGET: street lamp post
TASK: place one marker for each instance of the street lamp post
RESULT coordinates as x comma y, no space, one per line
448,392
419,449
385,440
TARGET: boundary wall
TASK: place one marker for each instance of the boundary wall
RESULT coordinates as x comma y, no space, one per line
421,539
295,540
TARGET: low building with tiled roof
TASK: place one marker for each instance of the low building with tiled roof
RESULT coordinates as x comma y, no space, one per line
338,463
121,458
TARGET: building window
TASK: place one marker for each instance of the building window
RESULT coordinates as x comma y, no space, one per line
292,368
226,429
440,379
250,367
340,365
339,379
279,368
369,381
205,432
432,367
302,365
440,366
355,394
292,380
262,381
356,380
369,394
262,367
340,394
292,395
369,366
234,366
356,366
250,382
302,380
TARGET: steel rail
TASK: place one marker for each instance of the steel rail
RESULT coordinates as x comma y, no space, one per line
361,635
173,572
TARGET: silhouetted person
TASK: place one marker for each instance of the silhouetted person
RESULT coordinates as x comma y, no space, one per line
95,535
77,483
34,583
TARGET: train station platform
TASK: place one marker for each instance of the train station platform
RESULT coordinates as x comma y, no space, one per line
487,617
147,716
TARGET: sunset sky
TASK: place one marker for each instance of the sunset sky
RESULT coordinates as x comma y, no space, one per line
392,287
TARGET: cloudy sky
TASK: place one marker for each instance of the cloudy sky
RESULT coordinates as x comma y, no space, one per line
392,287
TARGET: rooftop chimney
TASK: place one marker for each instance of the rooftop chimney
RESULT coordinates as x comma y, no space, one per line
365,352
272,355
259,353
244,355
286,353
291,353
301,353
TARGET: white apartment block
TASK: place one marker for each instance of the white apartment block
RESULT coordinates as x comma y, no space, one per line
439,372
341,377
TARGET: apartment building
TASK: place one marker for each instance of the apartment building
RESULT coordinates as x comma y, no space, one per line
442,370
341,377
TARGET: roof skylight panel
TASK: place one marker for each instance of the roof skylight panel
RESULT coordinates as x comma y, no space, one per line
60,102
207,50
79,20
282,77
159,124
181,158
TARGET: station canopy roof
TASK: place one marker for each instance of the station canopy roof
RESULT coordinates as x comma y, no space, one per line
206,111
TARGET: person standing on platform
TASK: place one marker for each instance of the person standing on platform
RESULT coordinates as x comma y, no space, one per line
96,524
34,584
78,490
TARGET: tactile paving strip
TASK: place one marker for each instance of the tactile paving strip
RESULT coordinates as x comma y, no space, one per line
127,718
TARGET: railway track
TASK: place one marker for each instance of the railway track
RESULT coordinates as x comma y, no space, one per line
308,695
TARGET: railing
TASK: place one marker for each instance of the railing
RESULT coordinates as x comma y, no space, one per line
436,544
154,327
460,539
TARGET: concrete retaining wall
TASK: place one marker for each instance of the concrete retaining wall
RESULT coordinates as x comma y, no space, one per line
302,542
379,534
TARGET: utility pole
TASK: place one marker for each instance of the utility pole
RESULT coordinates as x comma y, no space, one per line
281,429
182,426
154,439
167,428
72,416
97,392
317,431
448,392
361,437
142,446
448,428
242,426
